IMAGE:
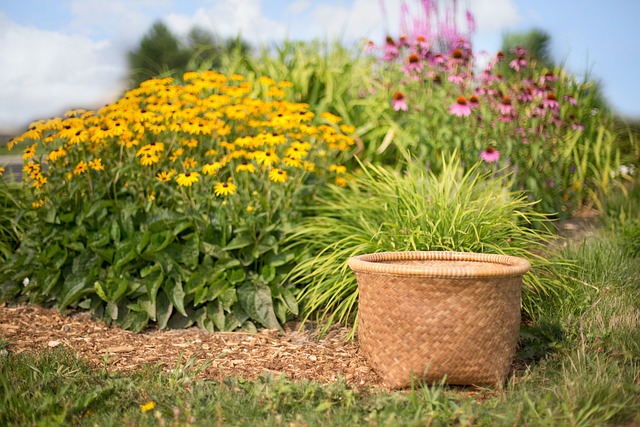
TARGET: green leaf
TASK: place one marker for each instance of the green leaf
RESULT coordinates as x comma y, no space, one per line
256,300
240,241
268,273
163,310
226,263
181,226
100,291
98,239
227,298
176,295
74,287
114,231
216,314
76,246
152,282
105,254
236,276
160,240
135,321
116,288
211,249
124,254
99,205
141,240
112,310
279,259
288,298
266,244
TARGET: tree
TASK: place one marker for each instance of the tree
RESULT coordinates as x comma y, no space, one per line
537,42
160,53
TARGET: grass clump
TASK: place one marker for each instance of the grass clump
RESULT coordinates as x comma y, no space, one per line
386,211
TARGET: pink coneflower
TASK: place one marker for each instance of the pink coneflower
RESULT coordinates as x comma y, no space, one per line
369,46
525,95
403,41
473,101
414,64
456,78
490,154
577,126
551,101
548,77
505,107
421,43
437,59
570,99
460,107
390,50
500,56
399,102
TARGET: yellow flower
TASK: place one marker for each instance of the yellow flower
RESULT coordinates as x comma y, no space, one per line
347,128
278,175
29,152
148,159
151,197
294,163
165,176
148,406
245,166
266,157
341,181
249,208
37,204
177,153
96,164
81,167
224,188
211,153
189,163
188,178
56,154
331,118
211,168
296,152
1,171
190,143
339,169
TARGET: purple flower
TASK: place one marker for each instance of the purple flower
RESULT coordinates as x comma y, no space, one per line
414,64
490,154
390,50
505,106
456,78
460,107
570,99
577,126
551,101
399,102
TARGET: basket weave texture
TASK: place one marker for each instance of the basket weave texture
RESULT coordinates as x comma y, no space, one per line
434,315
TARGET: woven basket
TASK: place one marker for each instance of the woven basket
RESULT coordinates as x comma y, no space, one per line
435,315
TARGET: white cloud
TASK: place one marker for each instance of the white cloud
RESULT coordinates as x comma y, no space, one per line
494,15
230,18
298,6
44,73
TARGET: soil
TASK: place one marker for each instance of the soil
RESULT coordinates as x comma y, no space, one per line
295,353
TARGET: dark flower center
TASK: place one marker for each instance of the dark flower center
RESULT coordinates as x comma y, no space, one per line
457,53
390,41
462,100
398,96
490,149
413,58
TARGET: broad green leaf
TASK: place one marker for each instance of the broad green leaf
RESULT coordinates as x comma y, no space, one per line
152,282
74,287
181,226
240,241
266,244
160,240
98,239
116,288
163,310
141,240
225,263
100,291
76,246
114,230
268,273
112,310
227,298
135,321
236,276
279,259
124,254
211,249
176,295
288,298
67,217
149,269
281,310
99,205
216,314
106,254
256,300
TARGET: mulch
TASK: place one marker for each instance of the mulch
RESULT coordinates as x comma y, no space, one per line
295,353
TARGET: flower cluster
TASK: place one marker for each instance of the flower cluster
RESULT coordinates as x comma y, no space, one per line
211,130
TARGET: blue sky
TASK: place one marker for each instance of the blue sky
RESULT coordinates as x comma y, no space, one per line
60,54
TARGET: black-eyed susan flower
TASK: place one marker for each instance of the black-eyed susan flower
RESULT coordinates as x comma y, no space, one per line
81,167
29,152
1,171
338,169
330,117
341,181
189,163
176,154
148,406
294,163
245,167
187,179
296,152
266,158
147,159
165,176
211,168
37,204
224,189
96,164
278,175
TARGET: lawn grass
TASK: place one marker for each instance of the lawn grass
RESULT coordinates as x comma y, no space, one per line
582,368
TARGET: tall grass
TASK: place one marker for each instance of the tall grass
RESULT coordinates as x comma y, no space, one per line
384,210
12,220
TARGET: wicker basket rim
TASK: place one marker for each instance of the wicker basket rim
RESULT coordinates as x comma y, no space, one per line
485,265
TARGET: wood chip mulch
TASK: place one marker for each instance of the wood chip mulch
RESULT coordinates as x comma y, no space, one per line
295,353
